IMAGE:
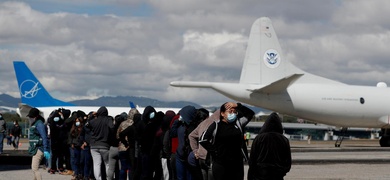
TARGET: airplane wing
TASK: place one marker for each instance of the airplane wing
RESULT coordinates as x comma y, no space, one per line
191,84
277,86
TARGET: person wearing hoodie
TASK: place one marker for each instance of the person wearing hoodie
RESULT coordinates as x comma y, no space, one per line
198,150
113,156
101,129
147,135
194,166
270,156
86,156
155,152
224,139
124,148
58,142
181,130
130,138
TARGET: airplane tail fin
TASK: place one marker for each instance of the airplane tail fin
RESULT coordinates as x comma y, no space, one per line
132,105
264,62
31,90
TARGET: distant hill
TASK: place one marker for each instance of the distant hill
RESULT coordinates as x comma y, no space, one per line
119,101
9,101
140,101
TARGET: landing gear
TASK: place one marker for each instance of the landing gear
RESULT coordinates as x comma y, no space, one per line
341,137
385,139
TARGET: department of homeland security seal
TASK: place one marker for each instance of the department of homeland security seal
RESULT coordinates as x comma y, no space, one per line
271,58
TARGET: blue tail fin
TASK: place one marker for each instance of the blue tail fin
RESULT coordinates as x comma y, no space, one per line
31,90
131,104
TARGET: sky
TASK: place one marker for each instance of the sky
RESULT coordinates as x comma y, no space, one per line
85,50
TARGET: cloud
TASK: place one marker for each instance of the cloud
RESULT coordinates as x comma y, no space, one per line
85,50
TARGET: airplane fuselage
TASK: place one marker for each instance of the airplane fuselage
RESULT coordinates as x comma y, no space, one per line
338,105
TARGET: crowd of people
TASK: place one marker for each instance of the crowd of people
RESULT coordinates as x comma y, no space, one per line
12,134
189,145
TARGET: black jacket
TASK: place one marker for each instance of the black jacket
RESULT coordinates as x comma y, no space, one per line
148,134
101,128
16,131
225,141
270,156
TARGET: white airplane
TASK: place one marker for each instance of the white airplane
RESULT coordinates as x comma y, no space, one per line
33,94
270,81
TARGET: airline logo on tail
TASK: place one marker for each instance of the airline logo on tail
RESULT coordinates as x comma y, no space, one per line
32,91
29,89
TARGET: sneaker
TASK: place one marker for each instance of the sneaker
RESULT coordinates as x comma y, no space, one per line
67,172
52,171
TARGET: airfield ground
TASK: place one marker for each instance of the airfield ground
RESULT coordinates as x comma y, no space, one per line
355,159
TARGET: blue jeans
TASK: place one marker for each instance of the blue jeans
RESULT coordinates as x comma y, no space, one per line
15,141
2,135
75,159
86,162
98,155
125,171
181,170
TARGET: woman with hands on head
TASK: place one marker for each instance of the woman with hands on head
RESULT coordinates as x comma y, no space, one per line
224,141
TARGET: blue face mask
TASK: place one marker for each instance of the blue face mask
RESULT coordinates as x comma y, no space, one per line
231,117
180,118
56,119
77,123
1,116
151,115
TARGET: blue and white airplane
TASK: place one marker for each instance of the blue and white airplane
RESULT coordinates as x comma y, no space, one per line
270,81
33,94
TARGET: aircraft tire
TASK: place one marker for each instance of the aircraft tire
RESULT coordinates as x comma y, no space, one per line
385,141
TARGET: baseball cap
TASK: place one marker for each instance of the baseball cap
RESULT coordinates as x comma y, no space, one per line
34,112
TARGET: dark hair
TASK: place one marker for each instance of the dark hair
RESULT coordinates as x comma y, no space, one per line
222,109
201,115
76,130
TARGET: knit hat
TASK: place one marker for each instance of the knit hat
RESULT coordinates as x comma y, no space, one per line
188,113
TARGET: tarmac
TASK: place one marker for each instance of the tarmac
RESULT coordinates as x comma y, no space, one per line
355,159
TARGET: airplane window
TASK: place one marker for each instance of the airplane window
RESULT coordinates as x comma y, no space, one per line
361,100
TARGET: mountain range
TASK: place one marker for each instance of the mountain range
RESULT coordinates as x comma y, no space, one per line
118,101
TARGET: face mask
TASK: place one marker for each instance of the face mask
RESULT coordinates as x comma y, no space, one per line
151,115
1,117
77,123
231,117
56,119
180,118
